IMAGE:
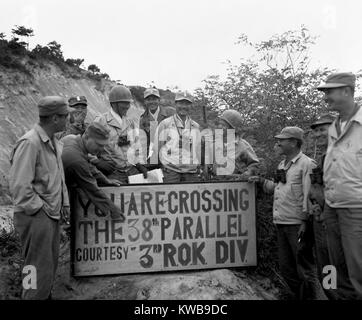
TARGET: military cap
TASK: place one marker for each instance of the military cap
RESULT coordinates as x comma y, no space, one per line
338,80
98,131
50,105
151,92
325,118
291,133
73,101
183,96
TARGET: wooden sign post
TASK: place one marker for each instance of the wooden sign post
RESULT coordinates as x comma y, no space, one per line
168,227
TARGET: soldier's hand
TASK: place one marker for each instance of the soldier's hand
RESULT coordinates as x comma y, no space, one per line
316,211
117,215
256,179
113,183
66,214
301,230
141,168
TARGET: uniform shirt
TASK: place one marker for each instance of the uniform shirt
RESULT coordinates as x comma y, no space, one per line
316,192
343,165
184,158
239,158
78,172
291,198
36,175
148,123
119,127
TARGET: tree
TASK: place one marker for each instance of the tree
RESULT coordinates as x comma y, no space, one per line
272,89
74,62
55,50
94,69
24,32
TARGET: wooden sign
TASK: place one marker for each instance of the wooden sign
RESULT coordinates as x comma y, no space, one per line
168,227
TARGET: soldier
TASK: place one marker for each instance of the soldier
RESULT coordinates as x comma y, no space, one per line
316,196
179,143
117,161
77,117
241,160
78,170
39,193
149,121
342,174
290,211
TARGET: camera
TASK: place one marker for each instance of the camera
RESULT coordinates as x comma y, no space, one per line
280,176
123,141
316,177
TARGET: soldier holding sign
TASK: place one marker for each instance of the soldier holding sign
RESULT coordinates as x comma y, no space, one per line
78,171
116,162
241,161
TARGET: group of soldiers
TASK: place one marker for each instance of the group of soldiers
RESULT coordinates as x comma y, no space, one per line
61,153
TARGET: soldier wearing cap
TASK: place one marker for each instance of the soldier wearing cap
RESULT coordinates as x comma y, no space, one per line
342,175
79,172
149,121
40,196
290,211
179,143
121,156
316,196
76,124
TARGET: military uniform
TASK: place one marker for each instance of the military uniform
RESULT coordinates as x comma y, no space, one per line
149,123
78,114
179,149
78,170
241,157
342,174
123,161
37,185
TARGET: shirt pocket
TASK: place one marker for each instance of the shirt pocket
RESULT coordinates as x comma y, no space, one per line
359,161
297,192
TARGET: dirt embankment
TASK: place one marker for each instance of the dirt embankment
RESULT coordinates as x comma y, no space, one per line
20,92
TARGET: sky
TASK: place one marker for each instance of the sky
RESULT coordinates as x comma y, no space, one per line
170,43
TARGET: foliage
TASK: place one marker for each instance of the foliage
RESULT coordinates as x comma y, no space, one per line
74,62
272,89
24,32
94,69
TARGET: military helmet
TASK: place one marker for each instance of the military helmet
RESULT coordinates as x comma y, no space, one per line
233,118
120,93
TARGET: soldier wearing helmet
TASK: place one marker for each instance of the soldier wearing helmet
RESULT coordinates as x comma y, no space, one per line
149,120
116,162
179,143
241,158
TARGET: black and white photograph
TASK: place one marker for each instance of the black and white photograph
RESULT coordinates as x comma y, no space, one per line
183,156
